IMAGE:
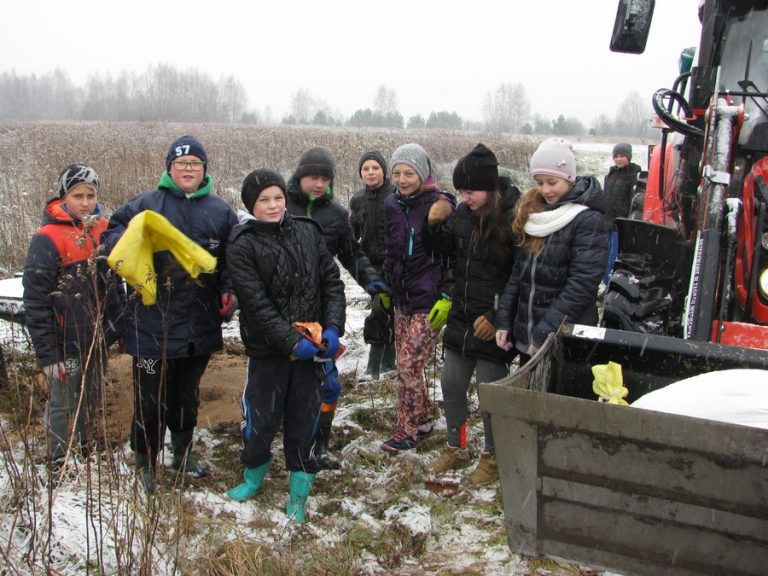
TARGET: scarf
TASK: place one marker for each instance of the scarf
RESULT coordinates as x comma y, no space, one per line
543,224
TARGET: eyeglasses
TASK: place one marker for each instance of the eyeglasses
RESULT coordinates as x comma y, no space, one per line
194,165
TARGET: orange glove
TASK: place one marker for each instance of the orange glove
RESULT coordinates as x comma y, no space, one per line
484,330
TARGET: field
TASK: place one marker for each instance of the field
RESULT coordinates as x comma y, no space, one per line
377,515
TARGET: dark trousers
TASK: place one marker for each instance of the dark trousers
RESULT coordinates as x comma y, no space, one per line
165,393
279,391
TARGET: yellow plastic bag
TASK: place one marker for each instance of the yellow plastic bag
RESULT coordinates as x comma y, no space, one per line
149,232
609,383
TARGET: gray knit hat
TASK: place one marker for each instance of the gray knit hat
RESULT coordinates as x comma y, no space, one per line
554,157
414,156
624,149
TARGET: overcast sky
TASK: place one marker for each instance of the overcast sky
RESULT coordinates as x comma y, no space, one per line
444,55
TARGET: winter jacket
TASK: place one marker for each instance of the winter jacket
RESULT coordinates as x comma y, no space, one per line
619,188
369,220
337,231
416,276
66,287
477,276
282,273
185,321
560,283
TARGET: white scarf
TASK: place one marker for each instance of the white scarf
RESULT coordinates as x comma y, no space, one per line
543,224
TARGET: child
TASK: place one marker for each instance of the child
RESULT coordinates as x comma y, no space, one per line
420,290
73,309
559,226
369,225
479,241
172,340
619,185
282,273
310,194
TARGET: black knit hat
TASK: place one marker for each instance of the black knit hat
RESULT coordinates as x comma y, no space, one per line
372,155
478,170
184,146
257,181
316,161
75,174
624,149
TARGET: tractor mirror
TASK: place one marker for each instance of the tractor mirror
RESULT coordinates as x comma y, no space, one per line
633,22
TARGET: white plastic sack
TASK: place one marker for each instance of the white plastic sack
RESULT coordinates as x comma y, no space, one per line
737,396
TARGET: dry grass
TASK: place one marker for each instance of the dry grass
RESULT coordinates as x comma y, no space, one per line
129,158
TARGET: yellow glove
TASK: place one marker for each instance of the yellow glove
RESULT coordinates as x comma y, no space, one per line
385,301
438,316
609,383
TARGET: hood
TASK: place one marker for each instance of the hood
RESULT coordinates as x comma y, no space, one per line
586,190
56,213
167,183
298,197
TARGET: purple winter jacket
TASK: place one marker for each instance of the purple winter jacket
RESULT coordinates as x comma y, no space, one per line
416,276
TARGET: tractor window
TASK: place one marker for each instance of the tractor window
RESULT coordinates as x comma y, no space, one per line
744,68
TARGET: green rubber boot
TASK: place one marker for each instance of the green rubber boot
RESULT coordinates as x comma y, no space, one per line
254,478
301,484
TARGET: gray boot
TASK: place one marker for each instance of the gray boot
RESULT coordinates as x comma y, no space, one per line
372,372
181,443
323,454
389,360
145,470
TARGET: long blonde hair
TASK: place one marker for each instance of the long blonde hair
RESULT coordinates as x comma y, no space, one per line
531,203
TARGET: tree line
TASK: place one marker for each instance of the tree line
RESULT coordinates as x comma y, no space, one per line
165,93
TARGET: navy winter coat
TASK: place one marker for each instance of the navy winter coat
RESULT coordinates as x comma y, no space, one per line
337,230
479,277
67,288
185,321
282,273
560,283
416,275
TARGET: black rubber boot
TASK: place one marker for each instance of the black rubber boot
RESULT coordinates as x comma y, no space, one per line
324,457
145,470
181,442
372,372
389,360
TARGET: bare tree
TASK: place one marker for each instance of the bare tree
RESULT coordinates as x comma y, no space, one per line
301,106
385,102
507,109
633,116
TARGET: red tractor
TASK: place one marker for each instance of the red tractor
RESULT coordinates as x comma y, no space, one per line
695,266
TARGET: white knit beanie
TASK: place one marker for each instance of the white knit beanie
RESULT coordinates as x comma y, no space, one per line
554,157
414,156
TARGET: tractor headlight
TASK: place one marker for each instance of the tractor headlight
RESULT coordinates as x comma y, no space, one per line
763,284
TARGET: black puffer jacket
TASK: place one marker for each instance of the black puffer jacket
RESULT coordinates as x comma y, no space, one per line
560,283
479,277
337,231
619,187
282,273
369,220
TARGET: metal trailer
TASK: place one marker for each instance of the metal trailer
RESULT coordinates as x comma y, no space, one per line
621,488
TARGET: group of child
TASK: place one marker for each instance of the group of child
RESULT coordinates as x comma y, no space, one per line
500,271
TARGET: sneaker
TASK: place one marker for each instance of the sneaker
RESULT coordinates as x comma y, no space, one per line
366,377
487,470
399,442
451,459
425,430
